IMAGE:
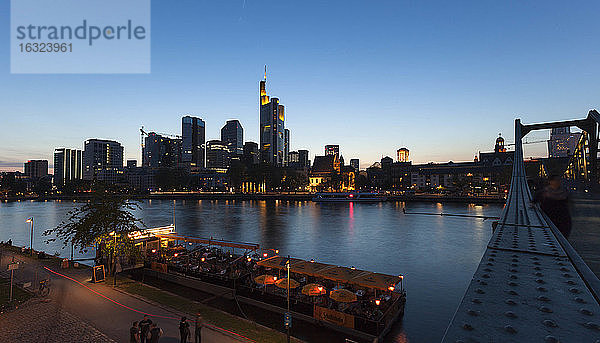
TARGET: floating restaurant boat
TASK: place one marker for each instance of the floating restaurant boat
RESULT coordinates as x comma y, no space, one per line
359,304
348,197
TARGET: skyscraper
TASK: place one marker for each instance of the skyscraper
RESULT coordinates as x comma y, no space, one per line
67,165
332,150
355,163
298,159
102,160
251,153
36,168
216,154
232,134
193,138
286,146
562,142
160,151
272,126
303,158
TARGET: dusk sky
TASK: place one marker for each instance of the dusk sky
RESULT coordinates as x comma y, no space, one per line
440,78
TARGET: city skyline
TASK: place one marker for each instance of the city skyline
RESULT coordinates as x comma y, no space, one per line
407,92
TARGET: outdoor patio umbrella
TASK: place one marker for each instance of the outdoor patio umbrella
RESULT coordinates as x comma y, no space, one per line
343,295
283,283
313,289
265,279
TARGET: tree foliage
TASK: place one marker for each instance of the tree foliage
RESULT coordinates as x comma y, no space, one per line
98,221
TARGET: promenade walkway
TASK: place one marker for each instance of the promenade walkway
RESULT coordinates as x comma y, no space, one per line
76,311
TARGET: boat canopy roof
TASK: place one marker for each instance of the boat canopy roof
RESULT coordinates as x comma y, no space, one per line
210,241
332,272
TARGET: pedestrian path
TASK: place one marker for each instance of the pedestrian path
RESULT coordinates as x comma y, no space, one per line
108,317
40,321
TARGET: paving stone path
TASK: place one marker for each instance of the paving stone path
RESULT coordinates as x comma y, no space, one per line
43,321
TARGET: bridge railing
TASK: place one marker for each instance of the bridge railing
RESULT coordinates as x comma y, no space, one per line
531,285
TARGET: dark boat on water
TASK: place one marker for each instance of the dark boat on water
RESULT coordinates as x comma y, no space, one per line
358,304
348,197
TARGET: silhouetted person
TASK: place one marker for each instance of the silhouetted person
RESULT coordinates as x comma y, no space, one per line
198,330
144,329
554,201
134,333
184,330
155,333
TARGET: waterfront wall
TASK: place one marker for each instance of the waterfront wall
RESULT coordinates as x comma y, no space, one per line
278,196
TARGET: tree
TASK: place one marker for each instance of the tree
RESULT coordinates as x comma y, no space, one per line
361,181
42,186
293,180
460,184
168,179
13,185
105,221
236,174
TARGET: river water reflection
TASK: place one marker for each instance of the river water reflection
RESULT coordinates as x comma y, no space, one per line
437,255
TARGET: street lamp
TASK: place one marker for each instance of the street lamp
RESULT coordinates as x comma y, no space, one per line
114,234
288,298
30,220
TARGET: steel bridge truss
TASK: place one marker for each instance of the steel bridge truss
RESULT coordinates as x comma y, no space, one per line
531,285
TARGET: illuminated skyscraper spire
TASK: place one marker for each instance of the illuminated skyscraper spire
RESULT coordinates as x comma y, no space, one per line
264,98
272,128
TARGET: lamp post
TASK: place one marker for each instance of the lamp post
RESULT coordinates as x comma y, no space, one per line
30,220
288,297
114,234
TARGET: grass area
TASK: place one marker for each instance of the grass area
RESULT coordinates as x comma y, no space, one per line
19,295
49,260
211,315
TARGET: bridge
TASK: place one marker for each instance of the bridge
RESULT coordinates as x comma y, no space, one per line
531,285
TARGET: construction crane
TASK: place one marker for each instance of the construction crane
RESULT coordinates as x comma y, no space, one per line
142,133
530,142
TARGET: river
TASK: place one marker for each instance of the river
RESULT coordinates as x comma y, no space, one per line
437,255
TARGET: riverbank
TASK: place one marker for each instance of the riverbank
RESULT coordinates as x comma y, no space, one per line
377,237
115,308
271,197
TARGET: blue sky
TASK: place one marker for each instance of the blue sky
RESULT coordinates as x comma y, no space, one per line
441,78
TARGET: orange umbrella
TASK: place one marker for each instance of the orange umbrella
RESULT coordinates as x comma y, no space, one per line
265,279
343,296
283,283
313,289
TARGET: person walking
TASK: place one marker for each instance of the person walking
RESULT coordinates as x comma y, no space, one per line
554,201
144,329
155,333
134,333
198,330
184,330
